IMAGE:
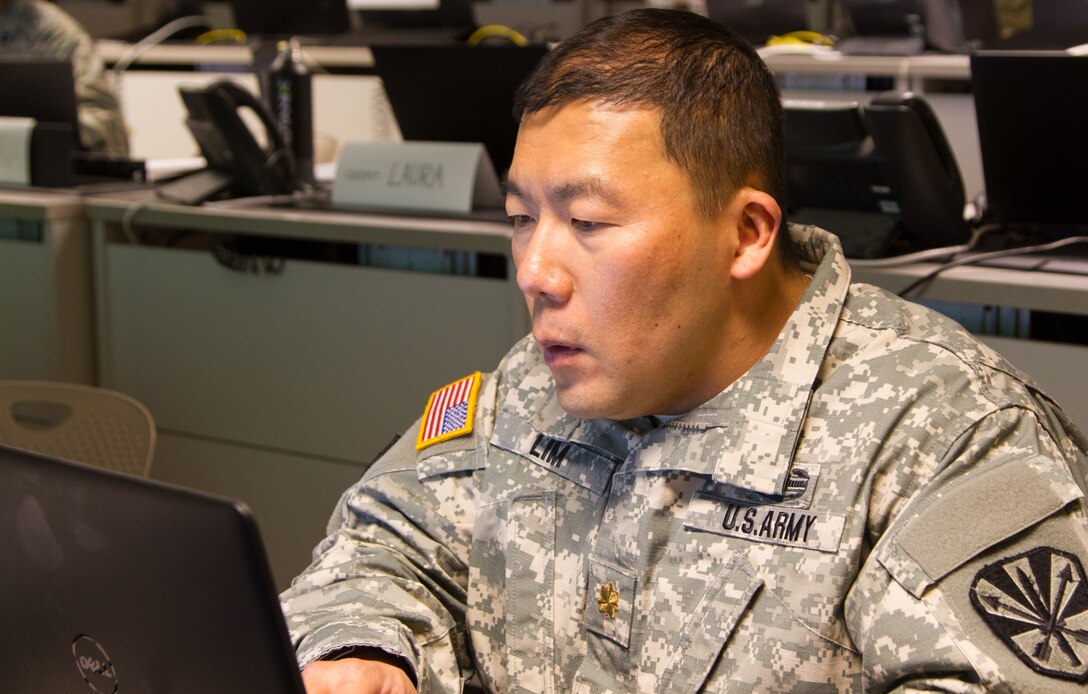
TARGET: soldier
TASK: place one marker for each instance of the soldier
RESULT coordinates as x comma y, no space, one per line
716,464
35,27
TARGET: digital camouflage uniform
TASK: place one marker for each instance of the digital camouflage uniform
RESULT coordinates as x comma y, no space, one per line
34,27
882,502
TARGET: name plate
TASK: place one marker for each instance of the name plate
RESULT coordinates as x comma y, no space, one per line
433,176
15,136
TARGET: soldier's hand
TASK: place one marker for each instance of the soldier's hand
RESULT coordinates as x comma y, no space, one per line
355,676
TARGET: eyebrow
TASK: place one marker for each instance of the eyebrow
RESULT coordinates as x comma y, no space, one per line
589,187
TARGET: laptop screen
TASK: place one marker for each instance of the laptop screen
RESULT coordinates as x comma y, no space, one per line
116,583
457,93
1030,108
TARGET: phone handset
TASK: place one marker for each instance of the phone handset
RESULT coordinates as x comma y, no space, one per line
257,170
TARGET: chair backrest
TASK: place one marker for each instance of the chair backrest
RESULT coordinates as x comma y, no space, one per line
84,424
920,167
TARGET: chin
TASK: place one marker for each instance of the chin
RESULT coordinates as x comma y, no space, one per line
582,407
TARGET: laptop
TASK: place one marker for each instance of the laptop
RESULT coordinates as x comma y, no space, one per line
457,93
113,583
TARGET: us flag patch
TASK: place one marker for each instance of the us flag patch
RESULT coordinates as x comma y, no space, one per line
450,412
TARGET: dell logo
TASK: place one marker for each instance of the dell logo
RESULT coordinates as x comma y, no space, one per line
94,665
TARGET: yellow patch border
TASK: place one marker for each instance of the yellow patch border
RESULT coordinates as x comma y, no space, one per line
470,416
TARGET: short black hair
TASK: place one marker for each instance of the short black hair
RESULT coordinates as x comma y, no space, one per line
721,111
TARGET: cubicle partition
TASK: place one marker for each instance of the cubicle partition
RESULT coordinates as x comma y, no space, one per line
276,365
46,328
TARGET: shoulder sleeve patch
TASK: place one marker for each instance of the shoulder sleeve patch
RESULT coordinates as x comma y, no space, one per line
1037,603
450,412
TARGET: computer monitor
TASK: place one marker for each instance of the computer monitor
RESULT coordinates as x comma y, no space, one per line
457,92
51,102
1030,108
884,27
281,18
53,97
415,21
758,20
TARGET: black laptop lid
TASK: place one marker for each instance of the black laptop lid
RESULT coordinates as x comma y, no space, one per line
115,583
1033,134
457,92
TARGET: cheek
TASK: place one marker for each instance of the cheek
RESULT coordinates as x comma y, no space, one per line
636,300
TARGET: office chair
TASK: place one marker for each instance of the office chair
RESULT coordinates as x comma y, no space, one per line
94,426
921,168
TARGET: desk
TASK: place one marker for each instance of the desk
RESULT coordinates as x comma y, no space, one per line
171,55
277,389
46,329
1038,291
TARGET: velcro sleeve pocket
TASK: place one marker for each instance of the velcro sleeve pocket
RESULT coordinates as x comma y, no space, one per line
939,533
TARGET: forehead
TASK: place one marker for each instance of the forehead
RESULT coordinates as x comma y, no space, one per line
593,122
595,145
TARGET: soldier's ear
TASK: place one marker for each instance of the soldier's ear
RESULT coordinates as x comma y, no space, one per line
758,220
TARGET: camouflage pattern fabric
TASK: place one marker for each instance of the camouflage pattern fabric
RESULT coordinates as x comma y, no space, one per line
35,27
882,503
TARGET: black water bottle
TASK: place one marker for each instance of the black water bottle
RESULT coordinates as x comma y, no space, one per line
291,99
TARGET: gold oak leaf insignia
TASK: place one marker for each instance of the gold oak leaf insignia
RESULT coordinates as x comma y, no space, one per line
608,600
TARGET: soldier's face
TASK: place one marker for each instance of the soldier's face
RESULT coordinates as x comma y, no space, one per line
627,285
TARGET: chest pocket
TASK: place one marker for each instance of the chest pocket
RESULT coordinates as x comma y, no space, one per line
667,636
